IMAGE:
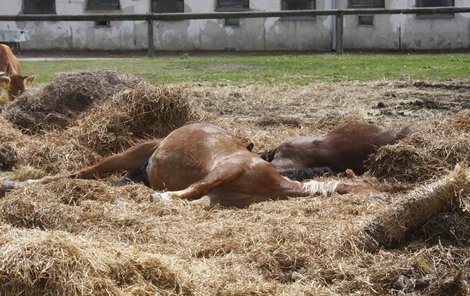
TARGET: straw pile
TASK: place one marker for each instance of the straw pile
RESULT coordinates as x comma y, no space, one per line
55,152
9,132
272,248
35,262
427,154
89,237
8,157
141,112
58,105
11,141
391,226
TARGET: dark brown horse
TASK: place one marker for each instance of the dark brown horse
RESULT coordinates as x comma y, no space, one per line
346,147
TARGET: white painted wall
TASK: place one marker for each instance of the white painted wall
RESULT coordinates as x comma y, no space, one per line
389,32
405,32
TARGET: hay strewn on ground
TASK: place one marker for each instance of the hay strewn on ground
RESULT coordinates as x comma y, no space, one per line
35,262
90,237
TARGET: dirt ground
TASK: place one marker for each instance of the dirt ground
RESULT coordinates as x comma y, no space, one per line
91,237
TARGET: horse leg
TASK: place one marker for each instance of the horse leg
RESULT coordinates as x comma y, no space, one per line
203,202
131,160
134,178
222,174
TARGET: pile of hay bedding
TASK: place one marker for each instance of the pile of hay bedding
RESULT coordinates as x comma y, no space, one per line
145,111
449,193
59,104
77,206
275,243
142,112
9,132
8,157
89,237
275,247
36,262
427,154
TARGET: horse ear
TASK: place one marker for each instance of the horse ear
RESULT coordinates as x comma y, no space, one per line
5,82
28,79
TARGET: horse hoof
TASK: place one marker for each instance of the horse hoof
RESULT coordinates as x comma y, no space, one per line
119,202
380,197
160,196
8,185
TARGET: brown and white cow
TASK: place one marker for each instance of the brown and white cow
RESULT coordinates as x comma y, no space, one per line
345,147
203,163
11,69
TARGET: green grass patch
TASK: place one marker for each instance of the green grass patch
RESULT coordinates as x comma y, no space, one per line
269,69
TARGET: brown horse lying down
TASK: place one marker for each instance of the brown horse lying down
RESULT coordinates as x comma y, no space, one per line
204,163
346,147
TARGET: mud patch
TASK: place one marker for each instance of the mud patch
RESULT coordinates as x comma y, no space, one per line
415,107
461,86
279,120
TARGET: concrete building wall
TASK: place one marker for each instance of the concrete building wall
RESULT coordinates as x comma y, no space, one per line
388,32
439,33
408,32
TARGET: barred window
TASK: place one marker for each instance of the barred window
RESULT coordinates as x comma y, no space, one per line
39,7
233,4
365,20
232,22
297,4
367,3
103,4
434,3
162,6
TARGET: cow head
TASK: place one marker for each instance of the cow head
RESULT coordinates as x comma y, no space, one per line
18,84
